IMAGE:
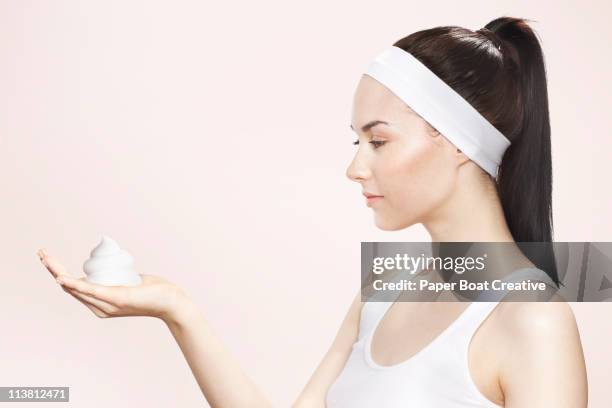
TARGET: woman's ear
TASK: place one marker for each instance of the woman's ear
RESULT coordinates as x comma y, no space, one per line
460,157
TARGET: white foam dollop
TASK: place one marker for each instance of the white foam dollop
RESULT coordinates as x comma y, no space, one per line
110,265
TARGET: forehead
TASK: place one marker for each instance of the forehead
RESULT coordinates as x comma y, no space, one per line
372,100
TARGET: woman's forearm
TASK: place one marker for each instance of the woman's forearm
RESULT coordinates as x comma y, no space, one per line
218,374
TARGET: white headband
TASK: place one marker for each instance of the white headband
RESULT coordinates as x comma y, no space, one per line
442,107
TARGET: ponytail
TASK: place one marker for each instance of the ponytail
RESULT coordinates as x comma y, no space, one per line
525,174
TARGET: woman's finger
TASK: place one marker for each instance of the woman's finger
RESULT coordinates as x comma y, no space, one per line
100,292
52,264
102,306
97,311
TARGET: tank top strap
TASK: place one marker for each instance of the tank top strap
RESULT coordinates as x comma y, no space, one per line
474,316
479,310
371,313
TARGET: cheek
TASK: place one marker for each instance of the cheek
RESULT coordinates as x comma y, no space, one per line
415,176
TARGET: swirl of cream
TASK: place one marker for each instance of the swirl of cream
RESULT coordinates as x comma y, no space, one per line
110,265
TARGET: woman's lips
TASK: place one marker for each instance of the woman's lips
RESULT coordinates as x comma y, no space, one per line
370,199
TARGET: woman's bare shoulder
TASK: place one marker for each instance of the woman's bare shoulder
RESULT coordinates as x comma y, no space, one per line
534,321
540,348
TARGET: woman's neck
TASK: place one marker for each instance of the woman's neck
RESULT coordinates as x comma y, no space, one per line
473,213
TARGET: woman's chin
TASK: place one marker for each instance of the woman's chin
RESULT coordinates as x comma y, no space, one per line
390,225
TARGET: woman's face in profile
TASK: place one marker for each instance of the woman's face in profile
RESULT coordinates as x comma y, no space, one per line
404,160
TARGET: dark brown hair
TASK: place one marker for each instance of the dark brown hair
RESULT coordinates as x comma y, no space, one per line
499,69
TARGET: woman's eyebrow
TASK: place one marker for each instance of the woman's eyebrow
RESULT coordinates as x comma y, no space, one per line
370,125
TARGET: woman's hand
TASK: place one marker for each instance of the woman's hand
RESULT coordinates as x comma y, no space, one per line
155,297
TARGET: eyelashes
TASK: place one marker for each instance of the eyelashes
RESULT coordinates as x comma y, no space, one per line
375,143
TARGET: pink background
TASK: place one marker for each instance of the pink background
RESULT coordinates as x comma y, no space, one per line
211,142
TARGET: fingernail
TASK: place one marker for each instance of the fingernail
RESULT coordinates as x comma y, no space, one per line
42,254
60,281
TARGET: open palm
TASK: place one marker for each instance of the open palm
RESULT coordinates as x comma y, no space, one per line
155,297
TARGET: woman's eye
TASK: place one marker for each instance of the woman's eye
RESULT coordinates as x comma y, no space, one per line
375,143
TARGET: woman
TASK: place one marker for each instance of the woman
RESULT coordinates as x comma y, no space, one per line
404,353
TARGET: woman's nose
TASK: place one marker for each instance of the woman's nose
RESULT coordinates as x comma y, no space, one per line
358,170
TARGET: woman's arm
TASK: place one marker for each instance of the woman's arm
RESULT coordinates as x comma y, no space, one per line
544,363
313,395
218,374
220,377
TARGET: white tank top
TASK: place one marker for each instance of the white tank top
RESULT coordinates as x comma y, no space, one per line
436,376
